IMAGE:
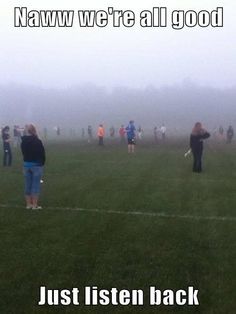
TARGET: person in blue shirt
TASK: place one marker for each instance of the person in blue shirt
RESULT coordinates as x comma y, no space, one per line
130,131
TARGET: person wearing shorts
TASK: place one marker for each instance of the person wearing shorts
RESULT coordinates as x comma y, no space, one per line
130,131
34,159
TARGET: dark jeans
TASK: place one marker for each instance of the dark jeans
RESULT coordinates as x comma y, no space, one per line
7,155
100,141
197,160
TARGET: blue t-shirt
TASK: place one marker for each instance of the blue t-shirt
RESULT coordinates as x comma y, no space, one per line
130,130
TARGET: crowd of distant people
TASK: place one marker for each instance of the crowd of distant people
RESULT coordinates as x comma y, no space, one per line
222,134
123,132
128,132
33,151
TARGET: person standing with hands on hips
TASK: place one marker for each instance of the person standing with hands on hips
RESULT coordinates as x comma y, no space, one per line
34,159
196,144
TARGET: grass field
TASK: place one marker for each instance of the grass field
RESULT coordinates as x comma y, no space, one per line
146,220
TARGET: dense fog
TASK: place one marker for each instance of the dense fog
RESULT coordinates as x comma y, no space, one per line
178,107
79,76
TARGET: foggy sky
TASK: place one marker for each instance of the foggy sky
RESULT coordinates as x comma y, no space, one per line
178,107
132,57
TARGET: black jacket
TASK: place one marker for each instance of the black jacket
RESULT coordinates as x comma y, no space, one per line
5,138
33,150
196,141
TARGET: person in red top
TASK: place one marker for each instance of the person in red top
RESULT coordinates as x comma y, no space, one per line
100,134
122,133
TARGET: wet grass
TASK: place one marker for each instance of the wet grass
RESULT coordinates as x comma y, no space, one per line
62,249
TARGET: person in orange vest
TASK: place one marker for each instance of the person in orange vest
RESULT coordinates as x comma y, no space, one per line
100,134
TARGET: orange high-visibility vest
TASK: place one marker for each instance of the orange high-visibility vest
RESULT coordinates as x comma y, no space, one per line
101,131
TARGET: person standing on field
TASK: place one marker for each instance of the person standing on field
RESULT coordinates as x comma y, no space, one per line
100,134
196,144
155,132
34,159
112,131
163,132
221,132
90,134
6,138
140,132
130,131
122,133
230,134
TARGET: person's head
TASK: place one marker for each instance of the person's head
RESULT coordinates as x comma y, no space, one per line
197,128
131,121
6,129
30,130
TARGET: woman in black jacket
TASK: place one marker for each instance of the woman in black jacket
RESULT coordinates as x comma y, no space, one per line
196,144
34,160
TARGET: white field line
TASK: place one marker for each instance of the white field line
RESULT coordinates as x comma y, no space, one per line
134,213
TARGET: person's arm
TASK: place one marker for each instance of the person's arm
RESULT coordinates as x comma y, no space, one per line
205,135
191,141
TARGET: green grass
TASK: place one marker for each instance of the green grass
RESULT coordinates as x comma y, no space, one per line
62,248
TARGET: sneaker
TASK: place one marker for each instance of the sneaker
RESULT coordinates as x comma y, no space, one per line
36,207
28,207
